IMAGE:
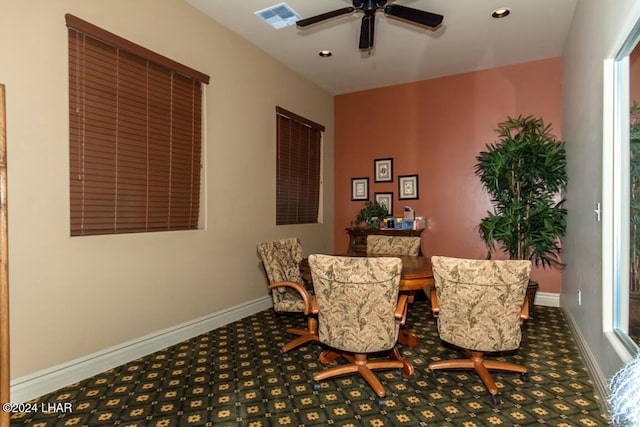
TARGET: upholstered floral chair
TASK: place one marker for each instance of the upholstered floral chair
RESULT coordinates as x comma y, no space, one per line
359,312
480,305
281,260
380,245
393,245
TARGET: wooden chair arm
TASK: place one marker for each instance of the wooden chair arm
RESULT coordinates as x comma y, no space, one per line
401,308
306,298
433,297
314,305
524,313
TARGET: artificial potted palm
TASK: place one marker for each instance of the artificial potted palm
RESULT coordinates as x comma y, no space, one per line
524,173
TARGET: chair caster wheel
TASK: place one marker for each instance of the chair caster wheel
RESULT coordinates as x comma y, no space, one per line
433,374
316,386
524,377
382,401
495,399
399,372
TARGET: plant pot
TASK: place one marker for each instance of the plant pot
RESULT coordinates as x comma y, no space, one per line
373,223
532,288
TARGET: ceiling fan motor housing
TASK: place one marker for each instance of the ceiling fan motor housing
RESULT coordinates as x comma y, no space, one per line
369,5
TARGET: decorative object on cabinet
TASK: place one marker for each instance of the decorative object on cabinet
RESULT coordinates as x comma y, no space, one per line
524,172
359,189
407,187
372,214
386,200
358,238
383,170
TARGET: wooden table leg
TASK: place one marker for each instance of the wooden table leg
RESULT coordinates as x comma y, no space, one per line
407,337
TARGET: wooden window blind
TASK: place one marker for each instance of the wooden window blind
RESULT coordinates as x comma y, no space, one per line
298,168
135,136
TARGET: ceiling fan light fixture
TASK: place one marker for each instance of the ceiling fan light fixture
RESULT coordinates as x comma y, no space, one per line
501,12
325,53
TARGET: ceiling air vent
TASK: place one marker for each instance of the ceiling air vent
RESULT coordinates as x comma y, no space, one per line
278,16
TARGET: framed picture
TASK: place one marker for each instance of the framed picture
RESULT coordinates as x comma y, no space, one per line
386,200
383,170
359,188
407,187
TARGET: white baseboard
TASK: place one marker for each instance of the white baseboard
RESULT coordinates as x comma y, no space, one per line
599,380
547,299
54,378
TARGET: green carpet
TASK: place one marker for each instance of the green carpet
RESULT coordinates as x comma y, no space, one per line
236,376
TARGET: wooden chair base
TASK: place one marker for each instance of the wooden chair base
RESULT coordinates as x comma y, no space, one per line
305,335
476,361
359,363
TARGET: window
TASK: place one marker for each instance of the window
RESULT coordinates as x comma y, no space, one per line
298,169
135,136
621,199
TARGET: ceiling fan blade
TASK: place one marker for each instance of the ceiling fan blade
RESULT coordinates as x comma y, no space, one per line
324,16
366,31
414,15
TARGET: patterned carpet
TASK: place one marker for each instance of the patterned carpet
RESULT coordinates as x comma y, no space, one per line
236,376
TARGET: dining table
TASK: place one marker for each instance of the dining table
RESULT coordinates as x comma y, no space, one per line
416,275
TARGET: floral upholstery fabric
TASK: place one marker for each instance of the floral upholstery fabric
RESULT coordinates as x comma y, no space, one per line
356,300
480,302
392,245
281,260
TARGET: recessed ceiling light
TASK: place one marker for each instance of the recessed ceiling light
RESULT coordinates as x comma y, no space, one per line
501,12
325,53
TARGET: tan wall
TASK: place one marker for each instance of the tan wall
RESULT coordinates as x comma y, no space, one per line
71,297
436,128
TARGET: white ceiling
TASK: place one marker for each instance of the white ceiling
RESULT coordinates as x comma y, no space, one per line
468,39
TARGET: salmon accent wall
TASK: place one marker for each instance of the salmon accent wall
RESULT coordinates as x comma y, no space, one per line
435,128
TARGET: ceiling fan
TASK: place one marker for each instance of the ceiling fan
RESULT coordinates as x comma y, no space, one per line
370,7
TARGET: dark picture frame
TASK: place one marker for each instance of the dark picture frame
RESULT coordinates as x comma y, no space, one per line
385,199
359,189
383,170
408,187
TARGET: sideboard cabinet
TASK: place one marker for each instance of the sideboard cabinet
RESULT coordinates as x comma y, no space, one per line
358,237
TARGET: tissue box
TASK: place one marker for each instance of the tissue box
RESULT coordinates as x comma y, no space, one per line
414,224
